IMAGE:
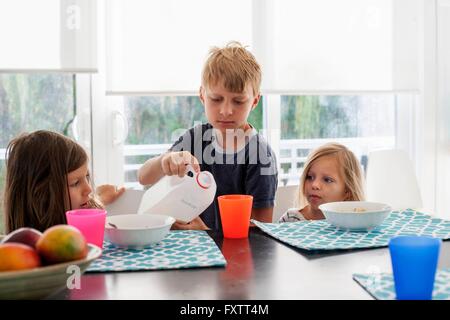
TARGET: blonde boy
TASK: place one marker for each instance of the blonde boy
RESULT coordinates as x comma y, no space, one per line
239,158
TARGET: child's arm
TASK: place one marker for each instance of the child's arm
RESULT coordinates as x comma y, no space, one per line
108,193
263,214
169,163
196,224
151,171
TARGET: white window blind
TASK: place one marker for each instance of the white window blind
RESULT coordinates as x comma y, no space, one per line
159,46
307,46
48,35
345,45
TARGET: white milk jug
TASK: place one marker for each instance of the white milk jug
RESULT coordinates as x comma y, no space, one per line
182,198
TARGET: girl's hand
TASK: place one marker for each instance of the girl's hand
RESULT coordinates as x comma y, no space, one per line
174,163
108,193
196,224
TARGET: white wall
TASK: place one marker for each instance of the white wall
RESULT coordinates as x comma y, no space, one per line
432,134
425,137
443,109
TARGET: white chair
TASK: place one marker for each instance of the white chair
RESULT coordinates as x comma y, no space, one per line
390,179
127,203
284,199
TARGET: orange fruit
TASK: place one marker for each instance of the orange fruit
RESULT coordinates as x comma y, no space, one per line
62,243
18,256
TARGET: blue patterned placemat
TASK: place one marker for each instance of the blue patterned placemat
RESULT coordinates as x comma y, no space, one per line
179,249
321,235
381,285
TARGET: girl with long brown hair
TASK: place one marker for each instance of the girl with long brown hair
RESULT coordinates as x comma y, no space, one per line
46,175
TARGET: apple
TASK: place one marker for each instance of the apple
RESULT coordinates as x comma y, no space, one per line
28,236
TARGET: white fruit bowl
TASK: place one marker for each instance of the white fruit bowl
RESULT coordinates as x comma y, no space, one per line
41,282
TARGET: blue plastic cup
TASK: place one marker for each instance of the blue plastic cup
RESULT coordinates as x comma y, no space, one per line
414,262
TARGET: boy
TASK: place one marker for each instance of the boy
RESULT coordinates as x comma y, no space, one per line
239,158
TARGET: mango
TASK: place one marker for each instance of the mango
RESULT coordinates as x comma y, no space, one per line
62,243
28,236
18,256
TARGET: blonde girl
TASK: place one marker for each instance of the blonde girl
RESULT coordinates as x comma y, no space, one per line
331,173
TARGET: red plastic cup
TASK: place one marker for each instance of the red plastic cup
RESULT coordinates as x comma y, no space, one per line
91,223
235,211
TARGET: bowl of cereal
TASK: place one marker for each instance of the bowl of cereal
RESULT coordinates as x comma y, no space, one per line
137,231
355,215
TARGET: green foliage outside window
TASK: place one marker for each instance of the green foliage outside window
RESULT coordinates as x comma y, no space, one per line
310,117
160,120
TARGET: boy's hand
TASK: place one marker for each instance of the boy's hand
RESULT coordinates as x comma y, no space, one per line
196,224
108,193
174,163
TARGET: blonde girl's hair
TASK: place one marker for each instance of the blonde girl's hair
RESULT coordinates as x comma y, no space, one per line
233,65
350,171
36,191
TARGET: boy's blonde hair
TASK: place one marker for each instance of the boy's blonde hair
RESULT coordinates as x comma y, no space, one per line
350,171
235,66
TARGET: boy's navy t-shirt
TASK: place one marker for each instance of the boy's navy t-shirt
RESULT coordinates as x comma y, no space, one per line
251,170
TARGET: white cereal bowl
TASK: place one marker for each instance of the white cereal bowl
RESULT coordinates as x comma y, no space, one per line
355,215
135,231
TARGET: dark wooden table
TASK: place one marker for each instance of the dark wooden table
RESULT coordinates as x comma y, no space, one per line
259,268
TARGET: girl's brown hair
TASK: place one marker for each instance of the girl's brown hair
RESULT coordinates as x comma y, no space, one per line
36,190
349,167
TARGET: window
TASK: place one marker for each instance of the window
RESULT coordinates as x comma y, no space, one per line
30,102
362,123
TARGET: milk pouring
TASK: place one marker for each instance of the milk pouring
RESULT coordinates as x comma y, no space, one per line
182,198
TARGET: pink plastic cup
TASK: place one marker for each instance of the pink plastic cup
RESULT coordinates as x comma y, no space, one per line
91,223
